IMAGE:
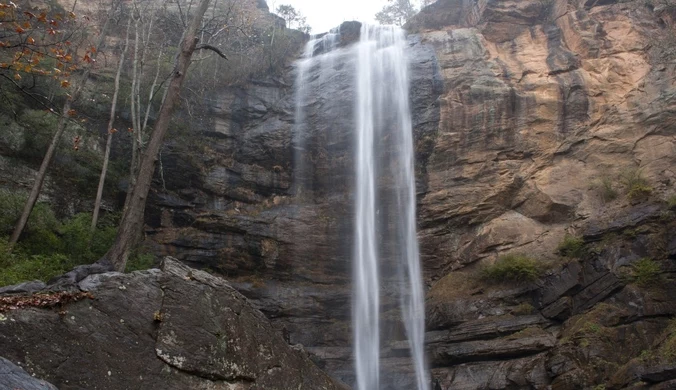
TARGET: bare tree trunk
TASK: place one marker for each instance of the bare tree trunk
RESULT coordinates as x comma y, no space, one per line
135,154
61,126
132,219
141,46
109,137
151,95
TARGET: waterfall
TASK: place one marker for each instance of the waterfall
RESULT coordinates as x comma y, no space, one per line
385,240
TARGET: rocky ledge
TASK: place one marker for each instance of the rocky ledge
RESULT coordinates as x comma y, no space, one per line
167,328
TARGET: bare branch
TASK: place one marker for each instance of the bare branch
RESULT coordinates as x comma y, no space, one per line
216,50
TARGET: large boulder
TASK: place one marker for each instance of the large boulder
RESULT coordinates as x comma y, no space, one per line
168,328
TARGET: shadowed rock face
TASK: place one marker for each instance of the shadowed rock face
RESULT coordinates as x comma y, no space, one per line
174,328
14,377
525,113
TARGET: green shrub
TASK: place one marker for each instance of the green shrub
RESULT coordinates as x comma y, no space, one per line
645,272
139,262
571,247
18,266
637,186
512,268
48,247
606,189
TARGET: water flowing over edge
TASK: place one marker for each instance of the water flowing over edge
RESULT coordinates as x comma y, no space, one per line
381,105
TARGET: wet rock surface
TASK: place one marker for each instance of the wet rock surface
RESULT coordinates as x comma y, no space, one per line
170,328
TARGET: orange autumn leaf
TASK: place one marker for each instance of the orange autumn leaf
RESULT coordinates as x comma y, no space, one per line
19,30
17,76
65,83
30,41
72,112
26,24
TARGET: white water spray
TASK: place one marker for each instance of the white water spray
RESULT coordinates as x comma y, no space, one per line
384,169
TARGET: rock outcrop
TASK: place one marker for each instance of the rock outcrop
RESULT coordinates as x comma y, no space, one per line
169,328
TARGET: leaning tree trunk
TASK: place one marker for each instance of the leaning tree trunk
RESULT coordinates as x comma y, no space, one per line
132,219
61,126
109,136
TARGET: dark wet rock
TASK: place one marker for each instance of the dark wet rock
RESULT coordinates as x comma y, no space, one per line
170,328
660,373
508,347
13,377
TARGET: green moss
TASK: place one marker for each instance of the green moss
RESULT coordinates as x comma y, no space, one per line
512,268
524,308
592,328
671,202
571,247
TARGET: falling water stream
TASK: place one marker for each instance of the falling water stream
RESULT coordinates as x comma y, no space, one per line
384,170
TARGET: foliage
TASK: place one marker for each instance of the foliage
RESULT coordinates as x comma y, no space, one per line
41,46
636,185
571,247
397,13
19,266
512,268
11,203
291,16
665,351
140,261
49,247
645,272
606,189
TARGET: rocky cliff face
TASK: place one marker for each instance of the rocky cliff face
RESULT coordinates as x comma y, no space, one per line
533,120
553,115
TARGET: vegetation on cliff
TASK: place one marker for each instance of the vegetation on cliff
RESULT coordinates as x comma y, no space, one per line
49,56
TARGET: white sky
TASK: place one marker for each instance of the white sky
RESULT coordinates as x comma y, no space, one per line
323,15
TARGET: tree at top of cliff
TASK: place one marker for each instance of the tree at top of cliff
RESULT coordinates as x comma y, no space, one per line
292,16
397,13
